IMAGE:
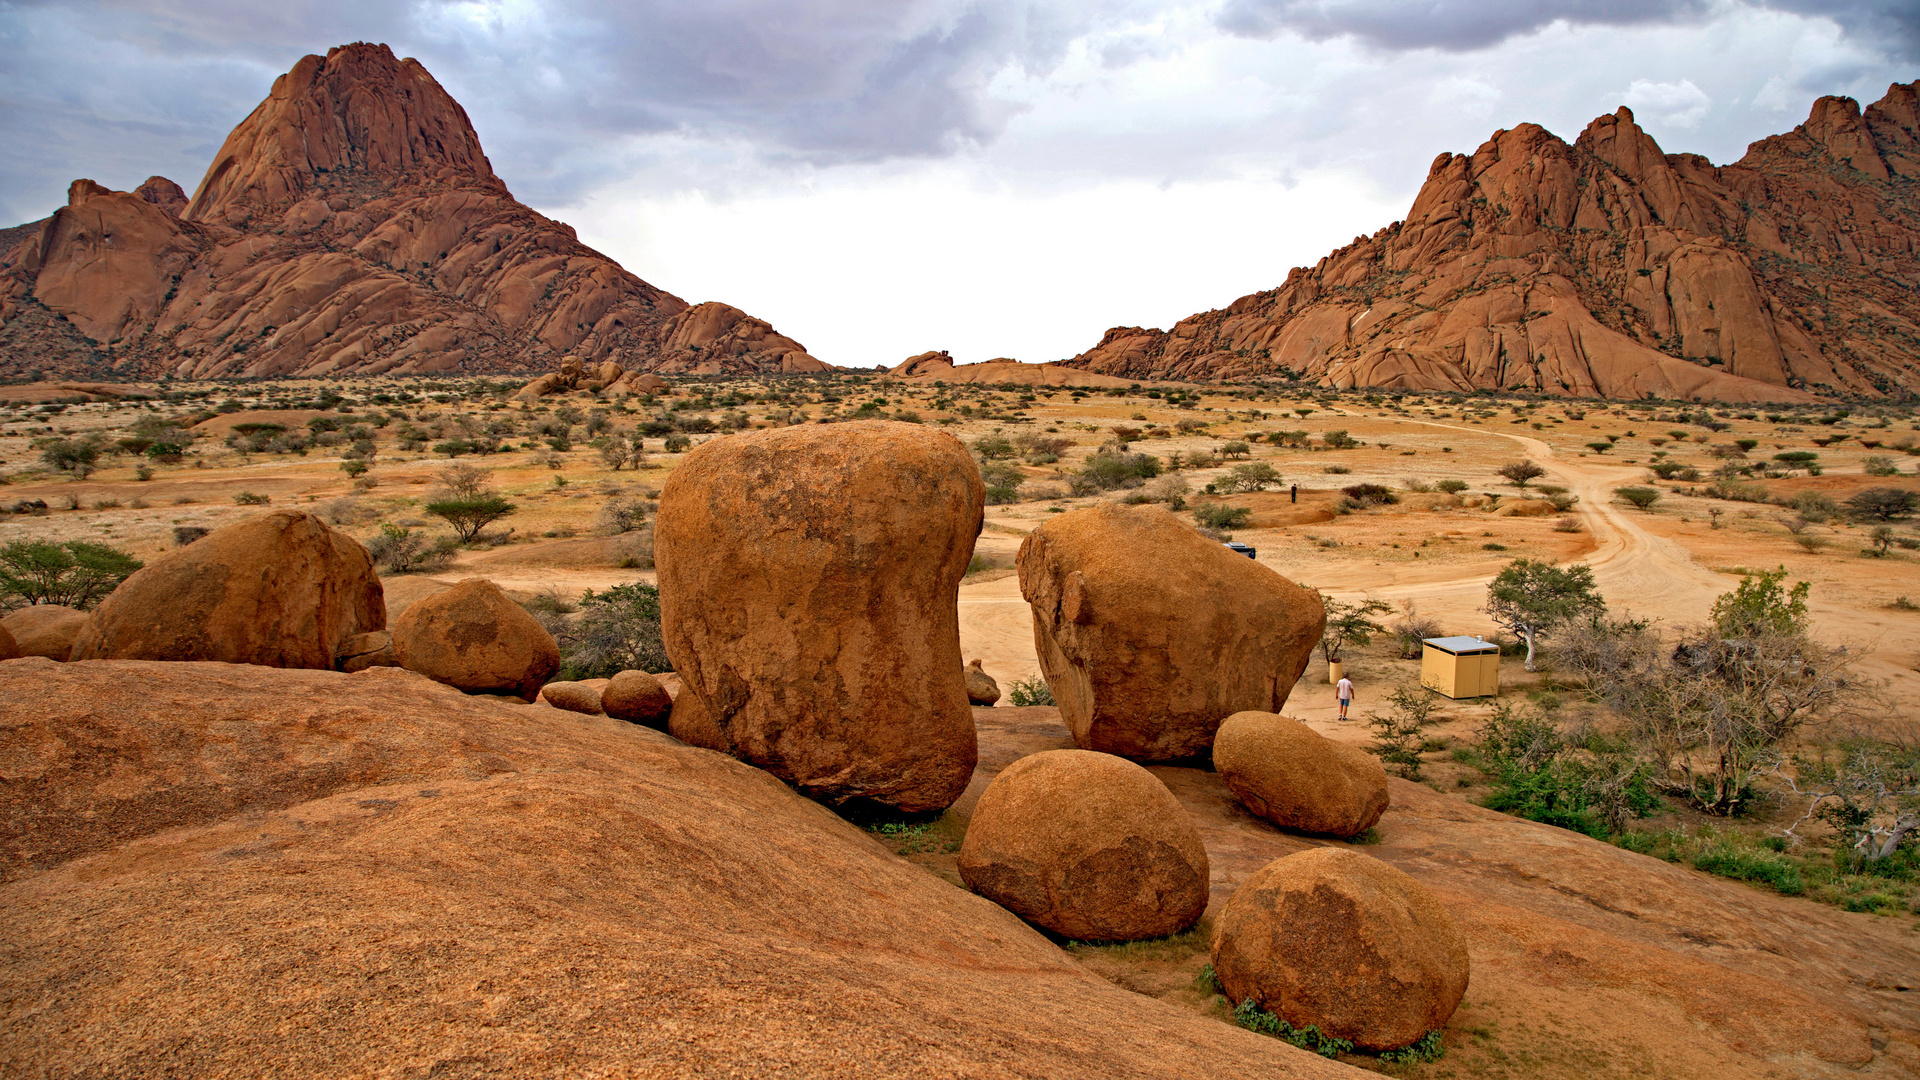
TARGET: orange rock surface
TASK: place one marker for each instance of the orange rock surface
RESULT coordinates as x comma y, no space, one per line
350,225
1605,268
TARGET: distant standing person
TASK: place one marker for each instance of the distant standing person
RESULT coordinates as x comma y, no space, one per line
1344,690
1293,495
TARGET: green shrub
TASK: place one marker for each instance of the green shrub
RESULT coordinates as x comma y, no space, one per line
249,498
1452,487
1641,497
468,515
1251,1016
1370,494
1215,515
1034,691
1757,867
616,630
73,573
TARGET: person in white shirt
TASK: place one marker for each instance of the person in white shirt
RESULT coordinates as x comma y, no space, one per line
1344,690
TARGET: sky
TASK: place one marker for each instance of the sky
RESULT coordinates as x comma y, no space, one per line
880,178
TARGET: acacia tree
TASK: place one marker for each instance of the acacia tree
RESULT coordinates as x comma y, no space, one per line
1531,599
1521,472
75,573
1350,624
468,503
1713,707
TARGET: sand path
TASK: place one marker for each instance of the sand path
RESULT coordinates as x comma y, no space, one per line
1636,571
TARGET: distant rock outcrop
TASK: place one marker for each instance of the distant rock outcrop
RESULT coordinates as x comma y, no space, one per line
350,225
1605,268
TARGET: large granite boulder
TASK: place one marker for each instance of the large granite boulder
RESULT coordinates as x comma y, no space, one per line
281,590
476,639
1089,846
808,585
1288,773
1341,941
1150,633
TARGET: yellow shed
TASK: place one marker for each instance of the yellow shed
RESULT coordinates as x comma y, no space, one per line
1460,667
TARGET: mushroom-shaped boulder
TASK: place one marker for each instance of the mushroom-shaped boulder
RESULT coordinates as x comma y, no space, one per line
1150,633
981,689
809,579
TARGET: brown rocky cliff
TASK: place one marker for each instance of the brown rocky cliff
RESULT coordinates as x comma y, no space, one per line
1605,268
350,225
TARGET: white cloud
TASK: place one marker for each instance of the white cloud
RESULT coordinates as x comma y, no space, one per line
1675,104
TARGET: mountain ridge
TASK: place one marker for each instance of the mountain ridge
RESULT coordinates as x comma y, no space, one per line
351,224
1607,268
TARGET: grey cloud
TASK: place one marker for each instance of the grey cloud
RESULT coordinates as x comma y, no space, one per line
1459,25
1439,24
556,90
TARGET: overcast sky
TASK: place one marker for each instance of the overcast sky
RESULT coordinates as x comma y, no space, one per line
882,177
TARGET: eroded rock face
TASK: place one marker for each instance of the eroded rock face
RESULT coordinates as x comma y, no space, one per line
362,651
282,590
1604,268
1089,846
637,698
352,225
1151,634
361,846
45,630
473,638
1343,942
808,581
1284,771
9,648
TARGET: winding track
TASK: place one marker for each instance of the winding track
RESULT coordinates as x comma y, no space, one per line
1634,569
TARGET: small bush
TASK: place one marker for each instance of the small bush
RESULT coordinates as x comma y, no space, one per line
1251,1016
1336,470
398,550
1761,869
187,534
1878,465
1370,494
1452,487
1216,515
1034,691
248,498
1642,498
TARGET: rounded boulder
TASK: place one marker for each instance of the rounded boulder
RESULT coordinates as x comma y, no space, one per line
473,638
809,579
981,689
1149,632
1293,776
47,630
281,590
1088,846
9,648
1343,942
572,696
637,698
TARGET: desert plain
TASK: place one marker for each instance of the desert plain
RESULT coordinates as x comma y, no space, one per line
1589,959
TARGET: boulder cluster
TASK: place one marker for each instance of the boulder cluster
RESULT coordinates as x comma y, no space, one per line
809,581
606,377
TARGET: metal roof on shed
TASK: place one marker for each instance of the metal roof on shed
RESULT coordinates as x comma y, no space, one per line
1462,644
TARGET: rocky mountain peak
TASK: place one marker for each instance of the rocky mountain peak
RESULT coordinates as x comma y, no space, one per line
359,114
